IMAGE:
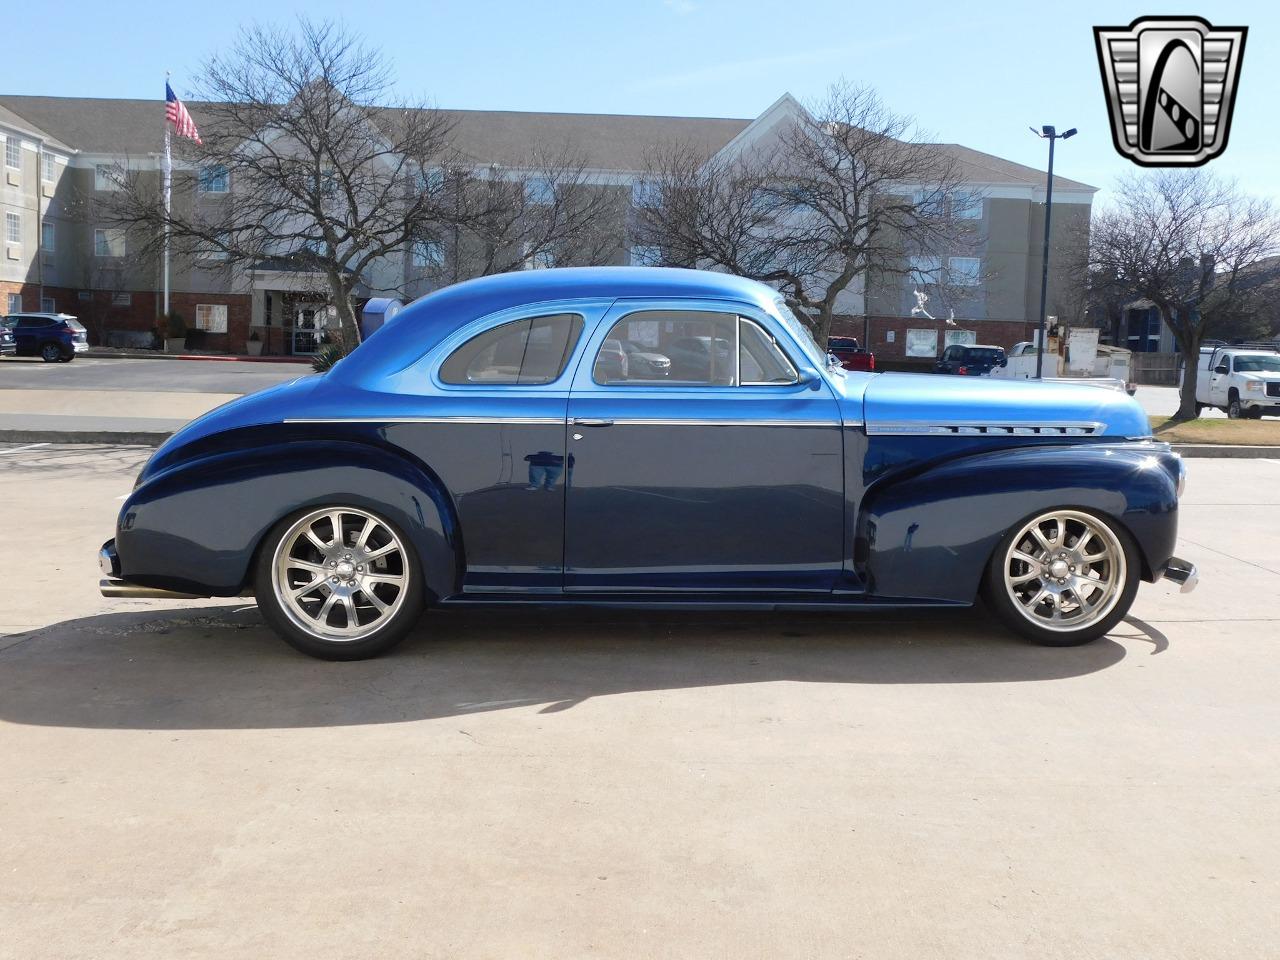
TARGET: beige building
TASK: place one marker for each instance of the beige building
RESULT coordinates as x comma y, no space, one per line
59,154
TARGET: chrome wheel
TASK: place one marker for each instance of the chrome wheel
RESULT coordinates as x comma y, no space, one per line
340,574
1065,570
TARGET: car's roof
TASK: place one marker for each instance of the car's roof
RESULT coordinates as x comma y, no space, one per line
981,346
43,316
430,318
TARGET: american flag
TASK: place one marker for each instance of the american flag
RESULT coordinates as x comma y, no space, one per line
177,114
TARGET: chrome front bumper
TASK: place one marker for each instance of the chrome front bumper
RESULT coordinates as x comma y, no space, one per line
1183,572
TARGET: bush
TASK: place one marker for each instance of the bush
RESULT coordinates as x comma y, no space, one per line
327,356
172,326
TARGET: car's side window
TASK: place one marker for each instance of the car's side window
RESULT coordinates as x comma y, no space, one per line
761,360
680,348
528,351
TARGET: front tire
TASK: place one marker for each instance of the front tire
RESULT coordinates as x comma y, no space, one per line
1235,409
1063,577
339,583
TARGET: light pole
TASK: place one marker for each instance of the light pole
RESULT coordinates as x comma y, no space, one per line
1050,134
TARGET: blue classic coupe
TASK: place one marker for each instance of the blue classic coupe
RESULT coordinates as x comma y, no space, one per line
626,436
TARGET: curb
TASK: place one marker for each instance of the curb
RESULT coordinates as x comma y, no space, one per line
1226,451
129,438
218,358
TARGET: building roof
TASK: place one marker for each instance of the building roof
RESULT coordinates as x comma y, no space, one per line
980,167
609,141
15,122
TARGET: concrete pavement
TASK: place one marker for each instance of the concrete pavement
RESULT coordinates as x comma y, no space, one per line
177,782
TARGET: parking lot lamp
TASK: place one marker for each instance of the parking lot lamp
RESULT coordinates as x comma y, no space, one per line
1050,134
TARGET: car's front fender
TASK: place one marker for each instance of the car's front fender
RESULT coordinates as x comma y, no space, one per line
931,534
196,526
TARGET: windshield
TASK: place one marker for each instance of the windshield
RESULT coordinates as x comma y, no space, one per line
1258,364
799,332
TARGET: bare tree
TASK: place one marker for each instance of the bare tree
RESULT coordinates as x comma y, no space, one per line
850,190
322,174
1187,242
545,211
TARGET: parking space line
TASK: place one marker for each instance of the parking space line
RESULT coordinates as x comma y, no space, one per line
29,446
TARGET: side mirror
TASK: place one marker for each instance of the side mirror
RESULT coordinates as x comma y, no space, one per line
1221,368
1004,361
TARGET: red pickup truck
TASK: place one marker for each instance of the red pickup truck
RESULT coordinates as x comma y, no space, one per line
850,354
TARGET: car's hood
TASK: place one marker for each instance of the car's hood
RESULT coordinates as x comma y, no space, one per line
920,401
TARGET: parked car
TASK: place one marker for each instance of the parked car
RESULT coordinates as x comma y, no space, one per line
971,359
1243,381
7,345
850,354
645,364
701,359
612,363
52,336
349,501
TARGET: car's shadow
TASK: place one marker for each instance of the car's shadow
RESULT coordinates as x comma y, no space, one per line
220,667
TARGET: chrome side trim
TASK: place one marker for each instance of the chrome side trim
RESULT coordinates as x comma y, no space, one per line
984,428
687,421
551,420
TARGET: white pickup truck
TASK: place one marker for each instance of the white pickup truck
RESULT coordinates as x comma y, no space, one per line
1243,381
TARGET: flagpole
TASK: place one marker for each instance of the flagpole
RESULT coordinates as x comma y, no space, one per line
168,179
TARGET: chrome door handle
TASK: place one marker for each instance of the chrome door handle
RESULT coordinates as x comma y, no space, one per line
591,422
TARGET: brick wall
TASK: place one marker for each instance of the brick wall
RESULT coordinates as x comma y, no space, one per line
30,295
1002,333
239,314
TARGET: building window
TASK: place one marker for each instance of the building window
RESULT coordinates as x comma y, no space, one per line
84,296
924,270
122,299
928,203
431,181
48,168
964,271
211,317
214,249
15,303
106,176
48,236
646,193
214,179
539,259
427,253
922,343
13,228
966,206
13,153
108,242
646,256
540,192
47,305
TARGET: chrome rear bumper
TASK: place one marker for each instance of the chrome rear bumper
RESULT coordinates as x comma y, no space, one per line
115,587
1183,572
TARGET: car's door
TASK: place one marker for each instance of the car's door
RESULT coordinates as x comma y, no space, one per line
496,438
26,334
1219,379
728,478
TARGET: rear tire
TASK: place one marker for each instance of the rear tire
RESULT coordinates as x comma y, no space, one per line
51,353
339,583
1063,577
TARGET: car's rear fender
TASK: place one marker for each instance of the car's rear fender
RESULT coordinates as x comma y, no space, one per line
930,535
197,526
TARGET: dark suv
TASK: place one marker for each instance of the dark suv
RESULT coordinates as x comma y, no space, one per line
971,360
52,336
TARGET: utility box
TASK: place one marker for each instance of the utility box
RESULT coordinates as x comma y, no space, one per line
376,312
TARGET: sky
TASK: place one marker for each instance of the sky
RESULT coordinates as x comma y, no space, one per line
973,73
